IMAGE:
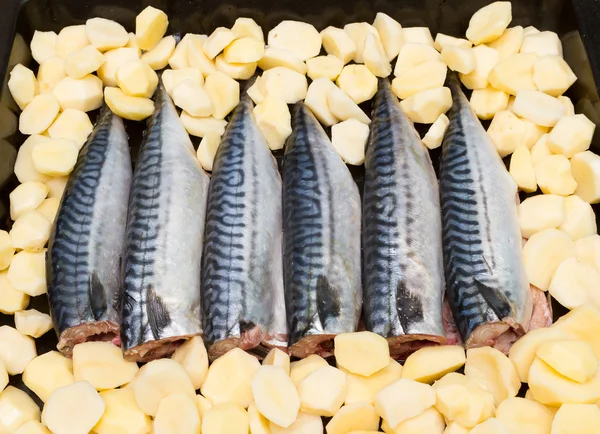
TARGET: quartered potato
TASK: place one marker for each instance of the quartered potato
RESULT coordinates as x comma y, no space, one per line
487,102
300,39
278,358
274,57
524,416
552,75
83,94
580,219
322,392
225,418
533,133
134,108
429,364
300,369
572,134
570,108
404,399
540,150
573,359
27,272
427,106
55,157
137,78
16,350
224,93
542,44
412,55
113,60
43,46
353,417
193,99
172,77
150,26
247,27
26,197
538,107
30,231
338,43
514,73
23,85
576,418
48,372
435,135
237,71
363,389
509,42
428,75
50,73
358,82
32,323
158,57
274,120
575,284
390,33
362,353
39,114
258,424
207,149
102,365
486,59
275,396
177,414
441,40
554,175
105,34
459,59
358,32
194,359
489,22
122,414
244,50
490,426
56,186
70,39
349,138
324,66
71,124
11,300
343,108
201,126
374,56
17,408
197,58
544,211
522,170
585,168
588,250
284,83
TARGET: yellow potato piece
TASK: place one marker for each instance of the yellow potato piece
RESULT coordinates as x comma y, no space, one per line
533,133
316,100
26,197
374,56
172,77
570,108
197,58
390,33
247,27
224,93
403,399
463,400
7,250
180,57
544,211
554,175
39,114
539,108
73,408
580,219
134,108
229,378
342,106
47,372
490,426
486,59
56,186
572,134
364,389
72,124
50,73
132,43
514,73
358,33
158,57
523,416
304,424
3,376
427,106
428,75
11,300
56,157
121,414
324,66
32,427
113,60
23,85
585,167
552,75
576,419
417,35
157,380
573,359
43,46
588,250
237,71
194,359
70,39
278,358
412,55
220,38
362,353
150,26
322,392
509,42
274,57
137,78
258,424
83,94
201,126
275,396
27,272
16,408
102,365
353,417
581,323
339,44
177,414
543,253
540,150
30,231
283,83
522,170
542,44
300,369
429,364
430,421
227,418
244,50
441,40
274,120
459,59
349,138
105,34
455,428
358,82
489,22
435,135
203,405
573,290
487,102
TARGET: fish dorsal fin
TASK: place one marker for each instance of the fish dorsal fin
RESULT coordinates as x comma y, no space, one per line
97,296
157,312
493,296
409,306
328,300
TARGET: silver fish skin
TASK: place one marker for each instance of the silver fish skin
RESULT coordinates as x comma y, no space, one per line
163,243
321,232
487,287
242,275
402,233
86,245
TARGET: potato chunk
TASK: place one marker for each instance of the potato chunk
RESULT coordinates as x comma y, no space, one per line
358,32
487,102
16,409
486,59
427,106
158,57
358,82
349,138
576,419
430,421
573,359
581,323
275,57
85,61
412,55
244,50
324,66
278,358
403,399
274,120
300,369
197,58
192,98
137,78
523,416
113,60
554,175
429,364
435,135
417,35
237,71
353,417
224,92
7,250
441,40
283,83
490,426
362,353
544,211
533,133
32,427
102,365
588,250
390,33
194,359
48,372
374,56
543,253
228,418
552,75
338,43
122,414
71,39
540,150
521,169
300,39
455,428
585,167
39,114
73,408
316,101
11,300
56,157
23,85
207,150
50,73
56,186
514,73
489,22
172,77
570,108
203,405
201,126
229,378
275,396
342,106
247,27
43,46
364,389
105,34
539,108
150,26
83,94
27,272
177,414
580,219
26,197
572,134
30,231
509,42
322,392
459,59
428,75
574,284
542,44
134,108
73,125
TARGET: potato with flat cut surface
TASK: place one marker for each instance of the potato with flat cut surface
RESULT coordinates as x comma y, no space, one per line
16,408
523,416
429,364
75,408
275,396
48,372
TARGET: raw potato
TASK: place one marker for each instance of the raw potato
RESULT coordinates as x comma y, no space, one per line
7,250
23,85
412,55
524,416
224,92
278,358
489,22
442,40
374,56
56,186
27,196
339,43
455,428
105,34
204,404
543,253
544,211
247,27
244,50
358,82
132,43
283,83
533,133
180,57
220,38
228,418
275,396
150,26
83,94
134,108
429,422
322,392
11,300
55,157
353,417
304,424
530,30
428,75
490,426
509,42
552,75
324,66
463,400
102,365
48,372
43,46
237,71
514,73
122,414
435,135
137,78
522,170
201,126
113,60
585,167
32,323
192,98
157,380
427,106
566,102
32,427
71,124
197,58
27,272
3,376
358,33
486,59
229,378
417,35
571,135
342,106
39,114
576,419
349,138
542,44
540,150
588,250
73,408
258,424
177,414
275,57
274,120
429,364
573,359
582,323
30,231
194,359
300,39
364,389
459,59
300,369
390,33
487,102
50,73
403,399
575,284
172,77
554,175
362,353
16,408
539,108
70,39
16,350
158,57
580,221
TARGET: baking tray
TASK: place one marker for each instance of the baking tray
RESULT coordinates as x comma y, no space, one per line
576,22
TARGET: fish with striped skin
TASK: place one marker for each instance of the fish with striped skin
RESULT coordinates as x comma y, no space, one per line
402,233
242,277
487,286
85,248
321,232
163,242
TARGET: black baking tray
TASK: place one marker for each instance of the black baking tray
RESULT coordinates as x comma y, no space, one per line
577,22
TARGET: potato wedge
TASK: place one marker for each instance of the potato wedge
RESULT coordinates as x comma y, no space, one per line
540,150
522,170
137,78
196,58
177,414
17,408
105,34
30,231
430,421
278,358
441,40
390,33
134,108
553,174
429,364
48,372
506,132
275,396
247,27
26,197
122,414
580,219
486,59
194,359
403,399
349,138
76,407
509,42
158,57
32,427
101,364
257,422
322,392
342,106
523,416
237,71
32,323
459,59
489,22
244,50
353,417
201,126
193,99
435,135
574,290
274,120
300,39
56,157
338,43
150,26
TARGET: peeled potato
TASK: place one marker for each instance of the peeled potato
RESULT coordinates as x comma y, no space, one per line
362,353
542,44
533,133
358,82
349,138
113,60
158,57
390,33
374,56
487,102
48,372
274,119
441,40
23,85
180,56
56,186
39,114
27,272
194,359
353,417
427,106
26,197
16,408
542,254
573,359
134,108
342,106
554,175
585,167
572,134
540,150
56,157
274,57
429,364
580,219
363,389
196,57
73,408
275,396
509,42
523,416
283,83
322,392
429,422
459,59
412,55
300,369
244,50
16,350
514,73
11,300
105,34
247,27
358,32
150,26
30,231
228,418
102,365
324,66
177,414
490,426
132,43
582,323
435,135
201,126
403,399
544,211
576,419
172,77
71,124
278,358
224,93
7,250
538,107
204,404
428,75
193,99
569,107
43,46
575,284
338,43
522,170
455,428
300,39
50,73
417,35
137,78
32,427
486,59
237,71
588,250
70,39
83,94
552,75
258,424
489,22
122,414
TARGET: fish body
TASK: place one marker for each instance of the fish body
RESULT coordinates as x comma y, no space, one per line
402,235
487,286
242,276
163,242
86,245
321,230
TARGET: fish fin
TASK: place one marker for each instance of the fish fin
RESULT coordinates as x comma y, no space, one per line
97,296
157,312
328,300
409,306
494,297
